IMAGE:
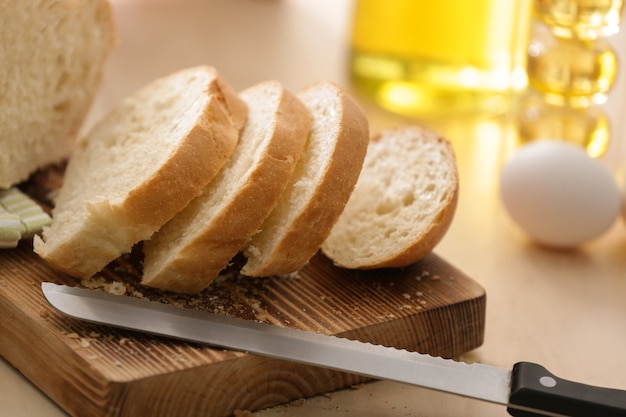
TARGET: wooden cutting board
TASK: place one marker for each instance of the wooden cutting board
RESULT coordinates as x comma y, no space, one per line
94,371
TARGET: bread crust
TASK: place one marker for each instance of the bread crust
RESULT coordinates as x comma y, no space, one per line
235,107
191,265
111,227
395,254
198,159
309,228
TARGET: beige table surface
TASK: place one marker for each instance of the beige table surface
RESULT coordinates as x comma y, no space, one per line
565,310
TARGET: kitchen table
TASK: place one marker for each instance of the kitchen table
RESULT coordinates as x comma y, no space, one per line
563,309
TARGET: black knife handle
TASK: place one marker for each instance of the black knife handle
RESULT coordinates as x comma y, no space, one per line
535,388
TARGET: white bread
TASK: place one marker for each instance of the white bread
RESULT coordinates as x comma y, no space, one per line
189,252
53,55
320,187
139,166
403,202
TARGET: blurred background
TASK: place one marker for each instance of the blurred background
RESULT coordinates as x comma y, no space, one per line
550,66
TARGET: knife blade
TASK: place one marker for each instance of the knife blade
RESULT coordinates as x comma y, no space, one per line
527,390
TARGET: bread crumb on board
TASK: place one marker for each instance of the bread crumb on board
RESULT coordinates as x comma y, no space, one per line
298,402
97,282
235,295
227,295
243,413
84,341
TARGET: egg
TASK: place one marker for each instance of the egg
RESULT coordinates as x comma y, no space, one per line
558,195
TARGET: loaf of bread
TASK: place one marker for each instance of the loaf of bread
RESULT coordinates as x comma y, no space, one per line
403,202
139,166
200,174
320,187
53,55
189,252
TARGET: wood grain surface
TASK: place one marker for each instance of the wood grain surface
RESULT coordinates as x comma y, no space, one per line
92,370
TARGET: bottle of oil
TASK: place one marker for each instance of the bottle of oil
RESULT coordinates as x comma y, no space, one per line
426,58
571,69
582,19
575,71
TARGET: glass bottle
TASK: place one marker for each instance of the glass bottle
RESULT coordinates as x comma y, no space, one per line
571,69
425,58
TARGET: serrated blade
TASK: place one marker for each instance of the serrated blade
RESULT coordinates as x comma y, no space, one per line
478,381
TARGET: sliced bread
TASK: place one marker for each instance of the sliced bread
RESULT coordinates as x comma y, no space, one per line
320,187
403,202
53,57
142,164
189,252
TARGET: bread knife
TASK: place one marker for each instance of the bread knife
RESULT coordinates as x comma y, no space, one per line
528,389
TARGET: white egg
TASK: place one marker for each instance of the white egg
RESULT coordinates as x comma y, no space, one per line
558,194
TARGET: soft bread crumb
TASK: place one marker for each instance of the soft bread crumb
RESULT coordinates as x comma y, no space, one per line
53,59
401,206
320,187
189,252
138,167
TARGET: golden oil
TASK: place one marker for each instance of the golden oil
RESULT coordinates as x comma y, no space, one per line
588,127
571,70
425,58
583,19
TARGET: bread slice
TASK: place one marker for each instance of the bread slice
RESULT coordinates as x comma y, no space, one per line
319,189
189,252
139,166
403,202
53,57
